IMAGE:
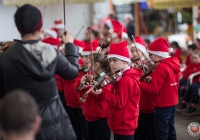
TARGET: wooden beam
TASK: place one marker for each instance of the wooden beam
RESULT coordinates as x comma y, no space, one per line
136,18
111,6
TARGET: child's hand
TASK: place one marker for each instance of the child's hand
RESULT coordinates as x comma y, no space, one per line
148,79
97,92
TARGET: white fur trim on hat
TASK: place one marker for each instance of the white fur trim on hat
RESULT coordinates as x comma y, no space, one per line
141,48
80,49
124,35
59,26
85,53
128,16
51,33
114,35
162,54
171,50
119,57
109,23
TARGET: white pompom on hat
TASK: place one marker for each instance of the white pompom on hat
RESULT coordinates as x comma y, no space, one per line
160,47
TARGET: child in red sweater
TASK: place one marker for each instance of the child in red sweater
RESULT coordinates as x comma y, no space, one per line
163,88
94,108
192,91
177,51
146,126
123,99
193,67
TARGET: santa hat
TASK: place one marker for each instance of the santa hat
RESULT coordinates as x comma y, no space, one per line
160,47
59,24
52,41
141,45
80,44
116,29
51,32
88,48
120,51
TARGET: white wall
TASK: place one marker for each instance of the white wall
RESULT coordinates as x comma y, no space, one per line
74,19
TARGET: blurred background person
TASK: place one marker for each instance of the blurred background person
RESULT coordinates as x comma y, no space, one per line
19,116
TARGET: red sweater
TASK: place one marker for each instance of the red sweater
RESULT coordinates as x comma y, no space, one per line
145,102
187,61
191,68
60,83
123,103
164,84
178,54
94,108
71,94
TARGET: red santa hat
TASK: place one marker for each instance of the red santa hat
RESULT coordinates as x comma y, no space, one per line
120,51
80,44
88,48
51,32
141,45
116,29
160,47
52,41
59,24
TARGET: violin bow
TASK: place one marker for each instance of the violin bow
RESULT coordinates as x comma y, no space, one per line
98,22
78,32
97,53
44,12
64,15
138,52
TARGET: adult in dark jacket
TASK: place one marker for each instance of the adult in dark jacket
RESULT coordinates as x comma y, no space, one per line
31,65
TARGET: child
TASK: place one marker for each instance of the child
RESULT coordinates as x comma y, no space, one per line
163,88
192,91
123,99
146,126
193,67
191,49
177,51
95,109
142,53
73,105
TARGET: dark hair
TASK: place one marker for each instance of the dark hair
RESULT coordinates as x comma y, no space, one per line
96,33
196,52
18,112
192,46
104,64
174,43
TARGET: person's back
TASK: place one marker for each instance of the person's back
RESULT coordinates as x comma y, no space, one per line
31,65
19,116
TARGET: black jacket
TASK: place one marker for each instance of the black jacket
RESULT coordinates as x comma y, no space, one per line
20,69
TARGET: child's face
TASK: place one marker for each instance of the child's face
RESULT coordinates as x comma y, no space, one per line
135,54
195,59
85,59
189,51
117,64
154,57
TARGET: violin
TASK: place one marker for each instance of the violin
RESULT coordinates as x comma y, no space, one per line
96,76
5,45
105,80
148,72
